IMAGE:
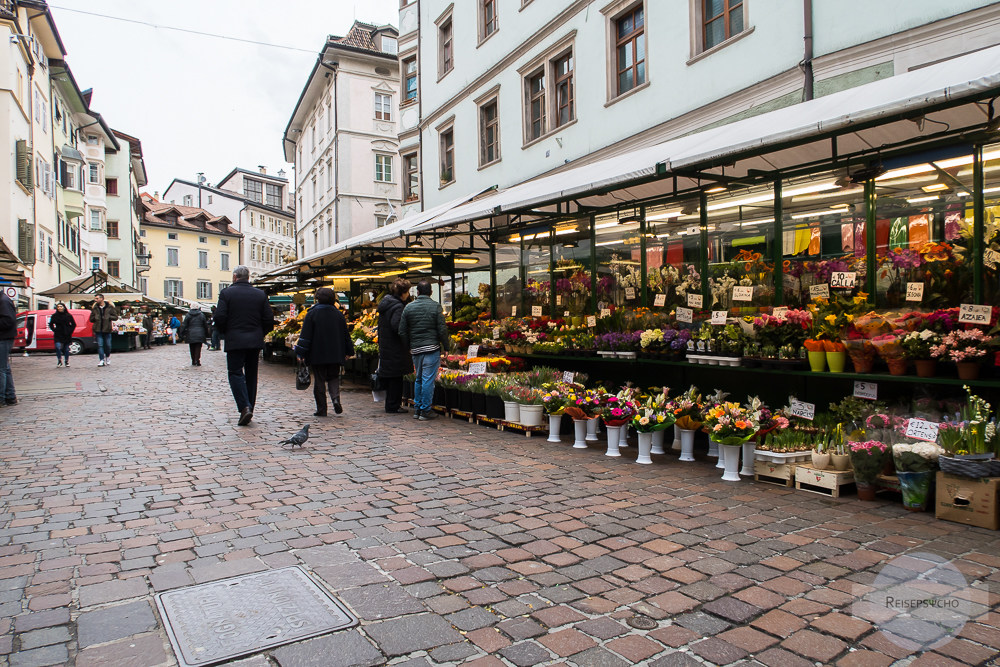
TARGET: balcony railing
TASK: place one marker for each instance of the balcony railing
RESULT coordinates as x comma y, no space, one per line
7,9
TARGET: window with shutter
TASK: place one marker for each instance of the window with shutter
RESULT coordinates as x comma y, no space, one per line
24,173
26,241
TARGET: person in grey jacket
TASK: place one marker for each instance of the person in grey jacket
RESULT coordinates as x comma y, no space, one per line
194,329
422,328
8,332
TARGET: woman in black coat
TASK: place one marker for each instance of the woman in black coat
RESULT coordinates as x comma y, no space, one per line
63,325
194,329
324,343
394,359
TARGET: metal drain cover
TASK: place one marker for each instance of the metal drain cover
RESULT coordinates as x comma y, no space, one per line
226,619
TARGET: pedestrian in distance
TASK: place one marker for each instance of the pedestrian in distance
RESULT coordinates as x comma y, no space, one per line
324,343
174,326
423,331
102,315
215,333
194,329
393,357
147,324
8,332
63,325
243,317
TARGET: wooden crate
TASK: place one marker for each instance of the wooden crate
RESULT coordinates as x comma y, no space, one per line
824,482
782,474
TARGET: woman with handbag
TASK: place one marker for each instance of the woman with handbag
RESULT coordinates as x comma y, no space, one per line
393,357
324,343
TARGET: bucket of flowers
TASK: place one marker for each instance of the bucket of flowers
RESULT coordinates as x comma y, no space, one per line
617,411
582,406
554,401
686,409
868,457
730,425
648,419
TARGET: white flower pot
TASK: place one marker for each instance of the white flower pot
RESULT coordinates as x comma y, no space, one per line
512,411
645,444
613,436
580,431
715,450
555,423
623,440
658,442
749,454
677,438
730,457
531,415
592,430
687,445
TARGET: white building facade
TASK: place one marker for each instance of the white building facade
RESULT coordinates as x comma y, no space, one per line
490,98
342,138
125,173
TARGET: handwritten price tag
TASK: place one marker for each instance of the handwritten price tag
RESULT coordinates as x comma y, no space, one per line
605,312
591,320
568,376
719,316
496,332
478,368
743,293
513,311
915,292
695,301
919,429
685,314
472,352
536,311
558,299
867,390
660,300
565,313
803,410
972,314
990,258
819,291
780,312
843,279
358,341
630,293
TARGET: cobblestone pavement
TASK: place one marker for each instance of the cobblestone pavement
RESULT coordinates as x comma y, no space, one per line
452,542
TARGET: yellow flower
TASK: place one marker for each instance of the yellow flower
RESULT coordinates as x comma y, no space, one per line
830,318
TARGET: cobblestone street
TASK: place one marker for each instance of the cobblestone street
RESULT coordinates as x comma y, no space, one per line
453,543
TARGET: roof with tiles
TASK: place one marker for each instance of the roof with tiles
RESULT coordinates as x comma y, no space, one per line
186,218
361,36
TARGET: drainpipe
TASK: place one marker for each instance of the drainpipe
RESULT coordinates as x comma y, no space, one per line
420,121
807,57
336,159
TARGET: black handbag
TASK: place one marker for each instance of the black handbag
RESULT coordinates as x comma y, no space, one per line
377,384
302,377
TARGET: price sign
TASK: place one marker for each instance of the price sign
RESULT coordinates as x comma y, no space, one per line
629,293
472,352
591,320
780,312
867,390
358,341
558,299
915,292
694,229
919,429
536,311
565,313
496,332
719,316
743,293
660,300
843,279
568,376
605,312
990,258
513,311
478,368
972,314
695,301
819,291
803,410
685,314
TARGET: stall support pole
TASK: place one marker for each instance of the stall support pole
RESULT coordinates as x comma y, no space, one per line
523,275
703,248
777,248
453,287
643,299
552,273
593,264
493,281
871,240
978,223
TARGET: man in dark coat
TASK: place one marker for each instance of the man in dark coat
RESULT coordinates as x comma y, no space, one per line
102,315
324,343
423,330
393,357
243,316
8,332
147,324
194,330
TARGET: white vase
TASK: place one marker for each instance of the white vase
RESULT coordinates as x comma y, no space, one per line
730,457
592,430
623,440
677,439
658,442
555,423
645,444
580,431
687,445
531,415
749,449
714,449
613,436
512,411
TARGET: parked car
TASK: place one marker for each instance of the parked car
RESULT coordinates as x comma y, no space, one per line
33,333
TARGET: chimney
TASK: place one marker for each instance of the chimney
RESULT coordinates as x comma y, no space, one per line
262,168
156,195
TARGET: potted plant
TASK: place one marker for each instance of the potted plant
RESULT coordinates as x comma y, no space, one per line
917,346
862,354
730,425
816,352
494,401
530,408
836,355
966,347
890,348
868,458
915,466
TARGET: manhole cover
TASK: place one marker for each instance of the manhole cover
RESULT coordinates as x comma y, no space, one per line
641,622
226,619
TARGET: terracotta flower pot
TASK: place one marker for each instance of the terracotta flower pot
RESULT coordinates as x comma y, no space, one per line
862,363
865,491
968,370
926,368
896,366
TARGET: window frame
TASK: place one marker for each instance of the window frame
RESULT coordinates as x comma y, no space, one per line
386,106
545,65
207,293
485,22
112,225
224,261
383,167
248,192
445,43
272,189
111,186
117,273
411,187
613,12
445,149
557,82
485,124
406,76
177,256
630,41
531,96
725,17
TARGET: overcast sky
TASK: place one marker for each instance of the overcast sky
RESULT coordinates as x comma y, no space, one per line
202,103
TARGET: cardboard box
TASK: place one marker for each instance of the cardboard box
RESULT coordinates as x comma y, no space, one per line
970,501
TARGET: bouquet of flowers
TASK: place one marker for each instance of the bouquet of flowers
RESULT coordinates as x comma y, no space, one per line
730,423
557,397
585,404
768,420
962,345
648,419
868,458
919,344
862,354
916,456
687,408
526,395
617,410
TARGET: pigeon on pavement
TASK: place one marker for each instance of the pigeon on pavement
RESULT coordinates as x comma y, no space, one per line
299,438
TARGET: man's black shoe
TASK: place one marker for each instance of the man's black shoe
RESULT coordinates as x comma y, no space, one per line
246,414
338,408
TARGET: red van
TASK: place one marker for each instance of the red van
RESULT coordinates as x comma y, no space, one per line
34,334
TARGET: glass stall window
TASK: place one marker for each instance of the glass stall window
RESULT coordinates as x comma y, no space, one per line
672,256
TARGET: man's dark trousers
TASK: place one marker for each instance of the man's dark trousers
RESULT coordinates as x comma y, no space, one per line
242,366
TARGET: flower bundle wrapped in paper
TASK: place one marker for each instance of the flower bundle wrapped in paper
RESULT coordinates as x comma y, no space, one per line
888,346
767,419
833,346
813,345
584,404
617,410
872,324
648,419
730,423
916,456
686,409
868,458
862,353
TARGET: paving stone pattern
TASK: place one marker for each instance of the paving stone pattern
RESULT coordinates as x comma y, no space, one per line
453,543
